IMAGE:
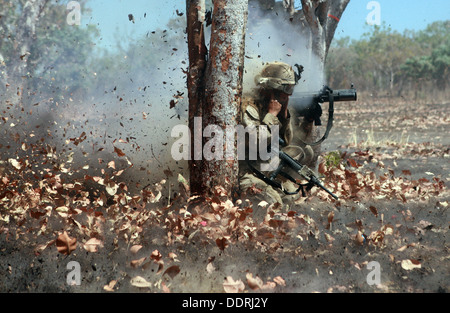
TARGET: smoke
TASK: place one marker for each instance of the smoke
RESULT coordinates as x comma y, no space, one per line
271,36
137,103
127,118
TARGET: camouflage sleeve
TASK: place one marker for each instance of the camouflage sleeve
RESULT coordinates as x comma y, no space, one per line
286,129
251,117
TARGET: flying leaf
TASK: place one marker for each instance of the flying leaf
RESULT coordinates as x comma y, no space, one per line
65,244
269,285
110,286
134,249
254,282
111,188
15,163
137,263
222,243
210,268
140,282
92,245
280,281
172,271
374,210
156,255
173,257
410,264
352,163
330,217
359,238
165,288
119,152
232,286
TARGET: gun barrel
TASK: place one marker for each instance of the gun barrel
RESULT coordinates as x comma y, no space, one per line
345,95
303,103
318,183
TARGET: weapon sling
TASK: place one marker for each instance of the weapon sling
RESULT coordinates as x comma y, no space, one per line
330,120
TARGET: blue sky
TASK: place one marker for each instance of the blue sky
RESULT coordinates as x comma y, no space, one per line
399,14
111,16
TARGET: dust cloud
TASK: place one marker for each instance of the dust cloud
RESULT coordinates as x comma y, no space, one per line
134,110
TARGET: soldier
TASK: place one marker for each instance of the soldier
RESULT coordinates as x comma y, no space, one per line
268,106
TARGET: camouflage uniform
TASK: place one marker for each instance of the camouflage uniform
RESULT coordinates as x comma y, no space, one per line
276,76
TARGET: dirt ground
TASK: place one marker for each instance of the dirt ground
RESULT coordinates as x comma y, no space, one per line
388,163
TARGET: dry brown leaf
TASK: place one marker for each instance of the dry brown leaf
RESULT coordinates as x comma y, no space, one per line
280,281
269,285
134,249
410,264
352,163
172,271
329,238
330,217
374,210
92,245
140,282
232,286
221,243
65,244
210,268
15,163
138,262
156,255
110,286
359,238
165,288
119,152
111,188
42,247
254,282
173,257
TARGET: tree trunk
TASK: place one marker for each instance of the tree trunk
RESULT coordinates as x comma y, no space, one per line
195,16
323,18
219,106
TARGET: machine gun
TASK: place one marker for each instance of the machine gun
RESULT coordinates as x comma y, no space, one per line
309,105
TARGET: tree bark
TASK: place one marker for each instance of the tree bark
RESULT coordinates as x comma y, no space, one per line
323,17
219,105
197,51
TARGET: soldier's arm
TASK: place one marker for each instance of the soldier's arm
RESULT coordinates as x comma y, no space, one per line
251,117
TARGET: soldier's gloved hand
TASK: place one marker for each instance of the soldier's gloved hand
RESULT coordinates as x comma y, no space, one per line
274,107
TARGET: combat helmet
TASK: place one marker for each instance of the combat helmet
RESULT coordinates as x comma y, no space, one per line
279,76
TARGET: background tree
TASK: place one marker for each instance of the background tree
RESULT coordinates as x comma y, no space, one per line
384,62
39,51
20,39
